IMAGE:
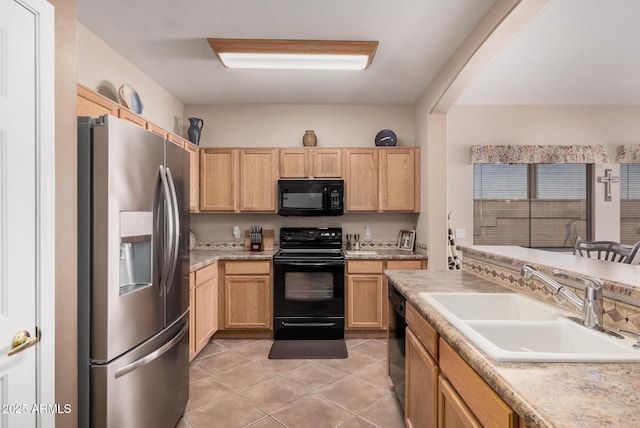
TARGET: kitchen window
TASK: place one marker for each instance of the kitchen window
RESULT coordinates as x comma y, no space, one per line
531,205
629,203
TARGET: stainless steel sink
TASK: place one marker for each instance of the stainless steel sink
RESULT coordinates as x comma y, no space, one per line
513,327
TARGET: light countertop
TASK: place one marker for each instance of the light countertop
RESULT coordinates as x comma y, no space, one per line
543,394
201,258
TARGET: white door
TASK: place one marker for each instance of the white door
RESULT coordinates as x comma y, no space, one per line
26,202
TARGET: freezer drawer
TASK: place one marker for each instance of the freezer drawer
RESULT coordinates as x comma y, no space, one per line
147,387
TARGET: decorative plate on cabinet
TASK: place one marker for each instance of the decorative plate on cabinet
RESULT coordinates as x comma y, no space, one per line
386,137
130,98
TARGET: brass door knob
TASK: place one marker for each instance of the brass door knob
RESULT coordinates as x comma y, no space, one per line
23,340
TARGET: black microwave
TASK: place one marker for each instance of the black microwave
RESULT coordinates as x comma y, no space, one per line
310,197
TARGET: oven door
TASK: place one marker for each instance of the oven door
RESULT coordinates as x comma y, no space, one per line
308,288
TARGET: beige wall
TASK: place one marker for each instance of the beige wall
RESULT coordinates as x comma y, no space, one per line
384,227
104,70
66,201
282,125
468,125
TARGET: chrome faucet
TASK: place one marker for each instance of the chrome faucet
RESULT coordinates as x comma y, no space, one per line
591,306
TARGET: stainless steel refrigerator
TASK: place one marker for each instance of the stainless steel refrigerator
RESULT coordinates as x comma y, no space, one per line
133,276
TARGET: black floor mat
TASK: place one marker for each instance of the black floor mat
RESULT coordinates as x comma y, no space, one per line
308,349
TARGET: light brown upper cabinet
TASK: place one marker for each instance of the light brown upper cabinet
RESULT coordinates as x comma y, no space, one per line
218,177
258,177
161,132
382,180
399,179
311,163
94,105
132,117
327,163
294,163
361,179
194,176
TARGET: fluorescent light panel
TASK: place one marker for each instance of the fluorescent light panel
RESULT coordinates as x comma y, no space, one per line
294,54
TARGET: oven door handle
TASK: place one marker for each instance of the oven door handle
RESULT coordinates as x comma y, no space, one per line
308,324
311,264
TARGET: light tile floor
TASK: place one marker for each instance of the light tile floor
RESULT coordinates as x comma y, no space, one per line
232,383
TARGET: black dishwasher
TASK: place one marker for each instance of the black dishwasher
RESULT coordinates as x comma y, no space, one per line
397,327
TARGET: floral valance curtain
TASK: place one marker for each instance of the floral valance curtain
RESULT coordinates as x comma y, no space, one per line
538,154
628,154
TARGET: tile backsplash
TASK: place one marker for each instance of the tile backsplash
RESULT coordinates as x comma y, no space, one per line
617,315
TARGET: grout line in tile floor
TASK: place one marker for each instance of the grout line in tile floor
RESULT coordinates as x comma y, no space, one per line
233,384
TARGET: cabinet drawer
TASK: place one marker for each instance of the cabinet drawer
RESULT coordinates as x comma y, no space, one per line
206,274
404,264
364,266
427,335
247,268
485,404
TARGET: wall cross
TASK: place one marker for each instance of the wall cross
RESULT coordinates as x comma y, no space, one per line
607,180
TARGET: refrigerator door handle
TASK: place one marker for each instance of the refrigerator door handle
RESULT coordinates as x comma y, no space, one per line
153,355
169,227
175,238
158,231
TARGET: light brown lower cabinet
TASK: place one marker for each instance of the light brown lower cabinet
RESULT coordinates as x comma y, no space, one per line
421,392
206,313
192,316
365,296
203,304
247,295
441,389
366,292
452,410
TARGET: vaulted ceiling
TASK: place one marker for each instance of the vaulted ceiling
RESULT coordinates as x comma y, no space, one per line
576,52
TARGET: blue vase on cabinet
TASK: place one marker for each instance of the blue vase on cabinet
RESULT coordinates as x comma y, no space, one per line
195,128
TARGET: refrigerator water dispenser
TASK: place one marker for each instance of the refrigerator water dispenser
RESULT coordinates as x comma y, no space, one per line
135,250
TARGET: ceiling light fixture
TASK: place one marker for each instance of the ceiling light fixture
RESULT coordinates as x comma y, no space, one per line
294,54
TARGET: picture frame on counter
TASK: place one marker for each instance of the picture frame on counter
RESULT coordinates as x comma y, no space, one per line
406,238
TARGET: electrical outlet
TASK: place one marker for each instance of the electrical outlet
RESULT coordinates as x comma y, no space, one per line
461,233
367,232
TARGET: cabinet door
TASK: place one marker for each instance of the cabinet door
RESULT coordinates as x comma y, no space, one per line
206,313
452,410
248,302
327,163
194,177
94,105
258,175
294,163
477,395
399,180
364,301
361,179
421,377
218,175
192,316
